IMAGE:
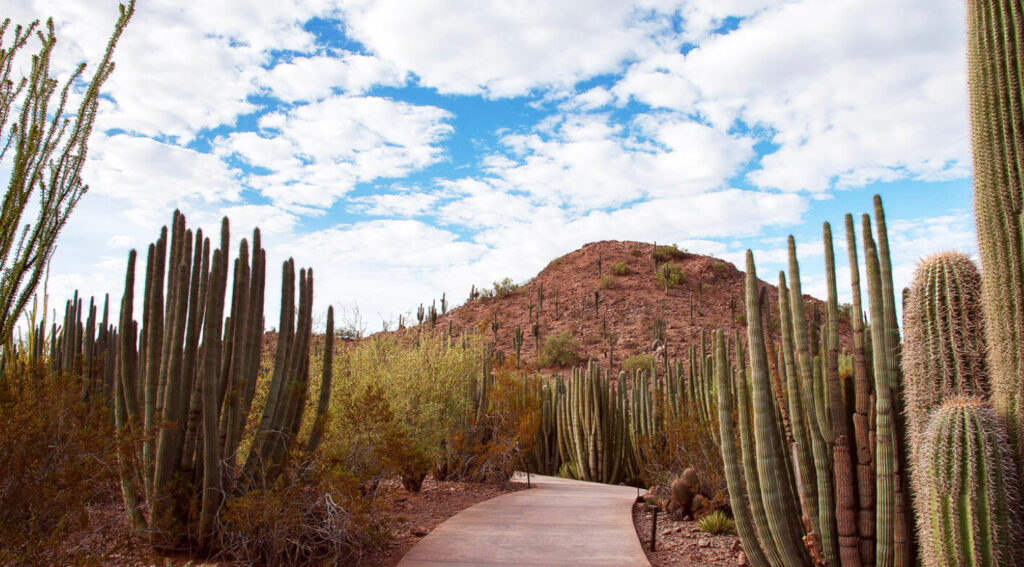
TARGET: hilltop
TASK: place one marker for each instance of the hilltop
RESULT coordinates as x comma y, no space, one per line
630,297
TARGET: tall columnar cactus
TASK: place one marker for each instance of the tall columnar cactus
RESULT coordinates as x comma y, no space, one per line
995,55
593,418
734,481
777,492
517,342
944,351
863,387
200,393
969,490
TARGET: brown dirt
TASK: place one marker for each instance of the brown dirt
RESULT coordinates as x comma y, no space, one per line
628,306
410,516
681,544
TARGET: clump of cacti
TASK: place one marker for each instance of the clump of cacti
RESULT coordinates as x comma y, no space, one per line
189,375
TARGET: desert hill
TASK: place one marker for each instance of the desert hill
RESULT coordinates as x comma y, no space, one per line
630,298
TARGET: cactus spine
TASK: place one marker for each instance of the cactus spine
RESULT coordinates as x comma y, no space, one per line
994,58
969,488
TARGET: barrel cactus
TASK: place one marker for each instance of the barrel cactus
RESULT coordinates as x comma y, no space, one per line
944,350
968,487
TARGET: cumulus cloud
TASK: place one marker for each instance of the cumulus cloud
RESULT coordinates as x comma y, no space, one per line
505,49
589,161
850,92
314,153
314,78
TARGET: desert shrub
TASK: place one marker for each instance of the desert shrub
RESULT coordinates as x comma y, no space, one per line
491,445
606,282
559,350
398,400
670,275
621,269
638,362
635,252
667,253
315,514
719,267
684,442
59,457
717,523
502,288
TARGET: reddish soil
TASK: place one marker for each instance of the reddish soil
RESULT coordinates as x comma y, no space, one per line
628,306
681,544
409,516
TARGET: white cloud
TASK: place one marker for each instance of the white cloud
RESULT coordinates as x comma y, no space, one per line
155,177
405,205
852,91
504,49
317,152
315,78
590,162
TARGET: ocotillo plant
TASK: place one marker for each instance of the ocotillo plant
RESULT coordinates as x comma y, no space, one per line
197,395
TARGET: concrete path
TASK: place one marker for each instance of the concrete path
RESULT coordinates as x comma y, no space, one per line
558,522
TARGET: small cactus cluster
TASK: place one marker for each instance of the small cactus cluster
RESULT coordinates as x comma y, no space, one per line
686,499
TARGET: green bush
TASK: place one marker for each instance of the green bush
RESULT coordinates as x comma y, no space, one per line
559,350
638,362
718,266
607,282
666,253
670,275
621,269
502,288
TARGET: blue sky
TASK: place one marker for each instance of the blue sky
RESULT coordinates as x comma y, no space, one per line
405,149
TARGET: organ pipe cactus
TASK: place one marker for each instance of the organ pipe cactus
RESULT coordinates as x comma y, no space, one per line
969,488
200,393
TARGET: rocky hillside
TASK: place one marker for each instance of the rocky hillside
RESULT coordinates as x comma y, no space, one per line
630,296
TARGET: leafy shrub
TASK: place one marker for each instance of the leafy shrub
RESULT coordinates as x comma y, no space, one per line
59,456
621,269
398,401
718,266
638,362
314,515
491,446
670,275
606,282
684,442
716,523
666,253
559,350
501,289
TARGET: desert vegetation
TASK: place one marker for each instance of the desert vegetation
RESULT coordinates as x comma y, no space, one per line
817,438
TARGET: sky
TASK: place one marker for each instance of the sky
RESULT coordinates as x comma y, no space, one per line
405,149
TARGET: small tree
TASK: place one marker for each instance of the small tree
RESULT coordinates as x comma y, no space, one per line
46,150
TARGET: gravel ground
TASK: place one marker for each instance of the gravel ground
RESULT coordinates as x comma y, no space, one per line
681,544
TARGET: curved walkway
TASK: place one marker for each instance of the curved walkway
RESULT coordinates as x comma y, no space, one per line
558,522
